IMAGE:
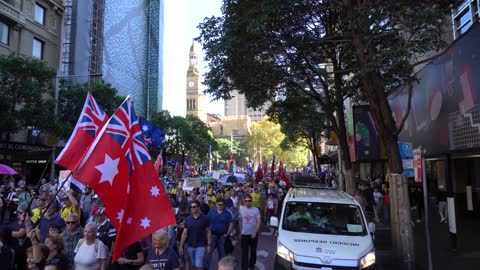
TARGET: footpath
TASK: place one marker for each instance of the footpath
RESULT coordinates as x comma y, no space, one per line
444,257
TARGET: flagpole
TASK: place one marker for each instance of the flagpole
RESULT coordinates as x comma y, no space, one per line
34,225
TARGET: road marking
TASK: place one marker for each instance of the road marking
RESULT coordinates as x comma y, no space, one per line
261,253
270,232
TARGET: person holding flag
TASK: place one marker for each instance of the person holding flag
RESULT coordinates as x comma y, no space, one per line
118,166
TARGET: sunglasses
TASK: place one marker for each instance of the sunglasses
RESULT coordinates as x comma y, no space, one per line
248,200
70,222
194,206
220,204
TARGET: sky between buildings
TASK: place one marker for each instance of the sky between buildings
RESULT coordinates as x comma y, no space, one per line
178,37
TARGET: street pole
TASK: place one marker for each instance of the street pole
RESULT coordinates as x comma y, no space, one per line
55,116
426,214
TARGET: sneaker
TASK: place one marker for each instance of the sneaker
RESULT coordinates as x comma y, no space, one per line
419,220
442,220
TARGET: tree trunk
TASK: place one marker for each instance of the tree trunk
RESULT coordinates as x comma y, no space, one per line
373,89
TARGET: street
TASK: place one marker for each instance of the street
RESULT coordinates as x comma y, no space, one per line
265,250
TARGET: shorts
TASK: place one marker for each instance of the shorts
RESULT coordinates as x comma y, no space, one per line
197,256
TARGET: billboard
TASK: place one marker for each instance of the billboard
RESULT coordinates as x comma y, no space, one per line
445,112
367,141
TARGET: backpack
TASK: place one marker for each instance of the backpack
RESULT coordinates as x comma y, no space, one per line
82,241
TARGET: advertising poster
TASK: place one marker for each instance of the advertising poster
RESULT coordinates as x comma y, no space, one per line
367,143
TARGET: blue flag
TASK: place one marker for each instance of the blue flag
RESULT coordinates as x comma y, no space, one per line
152,135
171,163
249,170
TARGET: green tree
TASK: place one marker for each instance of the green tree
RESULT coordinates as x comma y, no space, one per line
301,120
265,141
185,136
260,46
264,49
71,99
26,87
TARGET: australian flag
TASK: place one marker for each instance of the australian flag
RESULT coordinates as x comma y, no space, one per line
152,135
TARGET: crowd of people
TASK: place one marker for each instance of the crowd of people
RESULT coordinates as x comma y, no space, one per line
44,227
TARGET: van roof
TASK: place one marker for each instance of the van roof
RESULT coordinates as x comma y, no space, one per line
319,195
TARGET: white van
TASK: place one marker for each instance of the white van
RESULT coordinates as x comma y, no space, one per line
323,229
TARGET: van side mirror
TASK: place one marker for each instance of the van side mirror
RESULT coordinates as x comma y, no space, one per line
274,222
371,229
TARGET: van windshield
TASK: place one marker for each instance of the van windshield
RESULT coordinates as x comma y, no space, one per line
324,218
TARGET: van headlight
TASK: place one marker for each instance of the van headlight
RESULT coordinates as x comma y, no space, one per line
367,260
285,253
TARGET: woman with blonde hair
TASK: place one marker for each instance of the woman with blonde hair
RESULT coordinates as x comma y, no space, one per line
160,255
90,253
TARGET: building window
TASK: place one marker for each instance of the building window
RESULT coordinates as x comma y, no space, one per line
37,50
39,14
4,33
464,16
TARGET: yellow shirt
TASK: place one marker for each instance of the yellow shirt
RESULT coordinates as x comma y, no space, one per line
36,214
211,200
256,199
66,211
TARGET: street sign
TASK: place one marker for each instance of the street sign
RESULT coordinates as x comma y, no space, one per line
417,162
406,154
406,150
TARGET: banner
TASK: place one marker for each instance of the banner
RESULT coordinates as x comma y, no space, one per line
191,183
367,142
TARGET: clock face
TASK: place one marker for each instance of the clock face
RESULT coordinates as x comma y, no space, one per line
191,83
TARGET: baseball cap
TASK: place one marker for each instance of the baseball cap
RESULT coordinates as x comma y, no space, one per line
42,197
100,211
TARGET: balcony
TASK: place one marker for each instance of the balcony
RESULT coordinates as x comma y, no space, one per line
11,13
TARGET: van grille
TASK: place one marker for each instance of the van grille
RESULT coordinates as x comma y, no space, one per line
333,267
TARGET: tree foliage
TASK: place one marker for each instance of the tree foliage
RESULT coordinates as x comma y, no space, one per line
301,120
26,93
185,136
72,98
265,141
328,49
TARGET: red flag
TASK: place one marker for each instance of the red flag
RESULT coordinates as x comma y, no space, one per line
91,120
232,159
283,176
119,168
178,170
280,167
259,174
272,168
158,162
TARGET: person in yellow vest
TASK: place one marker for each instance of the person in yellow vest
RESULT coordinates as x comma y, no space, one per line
41,202
256,198
212,200
70,203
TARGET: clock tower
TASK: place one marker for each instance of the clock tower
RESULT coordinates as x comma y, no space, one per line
196,100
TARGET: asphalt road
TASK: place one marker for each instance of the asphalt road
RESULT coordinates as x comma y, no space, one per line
265,250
